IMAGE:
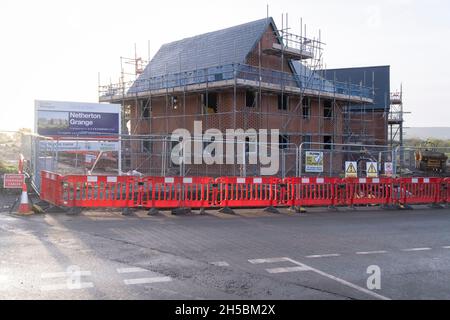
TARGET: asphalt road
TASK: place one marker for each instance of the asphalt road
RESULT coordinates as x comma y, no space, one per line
253,255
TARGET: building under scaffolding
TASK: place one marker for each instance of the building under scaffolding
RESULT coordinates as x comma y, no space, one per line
366,123
251,76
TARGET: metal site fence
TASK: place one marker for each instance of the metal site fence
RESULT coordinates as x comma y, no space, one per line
153,156
329,160
400,161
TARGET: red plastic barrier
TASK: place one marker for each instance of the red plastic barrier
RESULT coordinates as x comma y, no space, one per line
248,192
177,192
51,187
313,192
418,191
368,191
100,191
204,192
446,191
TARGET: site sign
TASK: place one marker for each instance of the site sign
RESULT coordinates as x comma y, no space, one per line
76,119
314,162
351,169
13,181
372,169
389,169
78,146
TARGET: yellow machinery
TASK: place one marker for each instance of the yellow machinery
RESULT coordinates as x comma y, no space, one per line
428,159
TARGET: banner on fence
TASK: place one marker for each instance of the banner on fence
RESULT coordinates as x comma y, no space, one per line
81,146
372,169
351,170
75,119
314,162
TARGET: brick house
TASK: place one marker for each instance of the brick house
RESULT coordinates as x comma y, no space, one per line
247,76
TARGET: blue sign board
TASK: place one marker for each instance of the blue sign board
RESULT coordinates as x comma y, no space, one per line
77,119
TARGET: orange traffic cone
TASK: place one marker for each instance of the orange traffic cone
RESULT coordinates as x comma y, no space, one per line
24,208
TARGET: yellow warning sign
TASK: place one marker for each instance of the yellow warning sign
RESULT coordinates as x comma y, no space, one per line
350,169
372,170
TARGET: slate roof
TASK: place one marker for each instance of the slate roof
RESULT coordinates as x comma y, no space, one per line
309,78
216,50
227,46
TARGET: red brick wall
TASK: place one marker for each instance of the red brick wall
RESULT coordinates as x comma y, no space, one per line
268,61
372,124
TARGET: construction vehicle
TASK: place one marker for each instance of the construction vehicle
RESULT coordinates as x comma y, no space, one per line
429,159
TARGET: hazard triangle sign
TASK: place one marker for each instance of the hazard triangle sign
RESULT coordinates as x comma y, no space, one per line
350,169
372,169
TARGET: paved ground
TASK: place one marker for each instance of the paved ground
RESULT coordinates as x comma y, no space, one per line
253,255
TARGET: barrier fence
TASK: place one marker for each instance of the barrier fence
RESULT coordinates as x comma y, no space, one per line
248,192
311,191
177,192
152,155
446,191
370,191
234,192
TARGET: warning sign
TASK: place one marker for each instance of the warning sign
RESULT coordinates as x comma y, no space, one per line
351,170
314,162
389,169
372,170
13,181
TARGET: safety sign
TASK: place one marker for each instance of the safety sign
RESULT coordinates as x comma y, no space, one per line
351,170
389,169
372,170
314,162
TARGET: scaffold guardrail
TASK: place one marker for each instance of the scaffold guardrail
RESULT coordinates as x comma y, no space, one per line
235,71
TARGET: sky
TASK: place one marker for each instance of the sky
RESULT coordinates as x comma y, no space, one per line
55,49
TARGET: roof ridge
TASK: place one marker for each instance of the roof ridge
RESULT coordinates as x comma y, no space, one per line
219,30
221,47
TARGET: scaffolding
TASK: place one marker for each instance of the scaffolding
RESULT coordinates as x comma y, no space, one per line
396,119
251,89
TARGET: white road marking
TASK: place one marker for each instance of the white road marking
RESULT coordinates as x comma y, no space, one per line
65,274
341,281
446,247
131,270
220,264
371,252
272,260
147,280
70,243
73,282
323,256
66,286
324,274
416,249
286,270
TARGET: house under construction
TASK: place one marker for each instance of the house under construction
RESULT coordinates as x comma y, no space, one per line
253,75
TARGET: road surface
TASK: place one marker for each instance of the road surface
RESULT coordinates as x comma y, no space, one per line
252,255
